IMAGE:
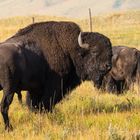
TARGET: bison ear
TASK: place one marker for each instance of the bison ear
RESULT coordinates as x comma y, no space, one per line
80,42
136,54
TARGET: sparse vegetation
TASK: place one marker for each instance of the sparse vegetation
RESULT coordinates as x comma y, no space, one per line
86,113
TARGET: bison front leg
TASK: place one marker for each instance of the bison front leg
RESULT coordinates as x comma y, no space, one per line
19,97
5,103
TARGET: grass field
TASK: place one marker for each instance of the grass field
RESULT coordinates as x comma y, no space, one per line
86,113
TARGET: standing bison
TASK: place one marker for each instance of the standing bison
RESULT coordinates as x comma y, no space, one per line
48,59
125,69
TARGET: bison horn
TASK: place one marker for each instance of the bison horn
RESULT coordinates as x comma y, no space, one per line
81,44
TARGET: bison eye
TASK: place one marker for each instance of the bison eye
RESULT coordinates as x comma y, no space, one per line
94,53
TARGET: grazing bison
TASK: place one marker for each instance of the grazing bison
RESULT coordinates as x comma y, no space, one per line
125,69
48,59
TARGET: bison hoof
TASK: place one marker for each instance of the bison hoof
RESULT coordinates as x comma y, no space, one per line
9,128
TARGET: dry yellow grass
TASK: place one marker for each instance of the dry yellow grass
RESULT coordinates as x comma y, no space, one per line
85,114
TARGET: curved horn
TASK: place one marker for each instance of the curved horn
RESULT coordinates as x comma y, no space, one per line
81,44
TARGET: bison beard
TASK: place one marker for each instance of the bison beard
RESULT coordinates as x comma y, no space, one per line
56,58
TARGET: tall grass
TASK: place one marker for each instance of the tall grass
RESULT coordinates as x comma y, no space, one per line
86,113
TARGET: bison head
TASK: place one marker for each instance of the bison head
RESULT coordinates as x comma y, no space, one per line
124,63
125,69
97,59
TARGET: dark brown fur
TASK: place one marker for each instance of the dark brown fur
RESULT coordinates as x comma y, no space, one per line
53,47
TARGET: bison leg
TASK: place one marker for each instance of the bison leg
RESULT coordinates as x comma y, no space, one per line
112,87
120,86
109,84
33,101
28,100
5,103
39,103
48,102
19,97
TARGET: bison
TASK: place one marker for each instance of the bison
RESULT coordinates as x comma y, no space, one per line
125,69
18,71
48,59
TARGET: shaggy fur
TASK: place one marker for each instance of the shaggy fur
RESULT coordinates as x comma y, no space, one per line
125,69
46,59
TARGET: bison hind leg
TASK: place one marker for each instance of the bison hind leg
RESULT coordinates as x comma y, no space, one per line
33,101
19,97
5,103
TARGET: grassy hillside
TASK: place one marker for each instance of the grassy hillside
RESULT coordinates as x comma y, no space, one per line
85,114
121,28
